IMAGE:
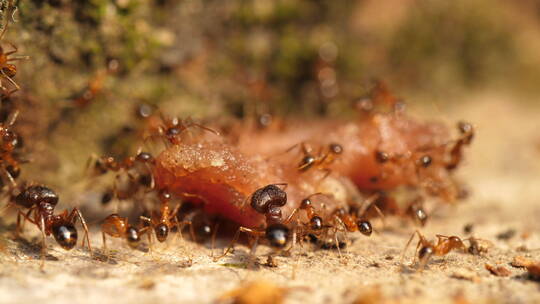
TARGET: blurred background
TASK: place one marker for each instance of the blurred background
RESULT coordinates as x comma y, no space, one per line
93,62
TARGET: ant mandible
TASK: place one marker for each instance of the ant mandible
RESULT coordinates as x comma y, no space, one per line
42,200
426,249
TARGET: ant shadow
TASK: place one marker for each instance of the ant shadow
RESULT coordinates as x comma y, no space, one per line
32,249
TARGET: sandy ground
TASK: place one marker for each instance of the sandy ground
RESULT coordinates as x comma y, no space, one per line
502,170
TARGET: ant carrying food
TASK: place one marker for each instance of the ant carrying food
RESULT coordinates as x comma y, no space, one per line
426,249
268,201
41,201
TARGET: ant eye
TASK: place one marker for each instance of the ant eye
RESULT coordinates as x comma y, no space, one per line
65,235
277,235
316,223
144,157
364,227
162,231
133,238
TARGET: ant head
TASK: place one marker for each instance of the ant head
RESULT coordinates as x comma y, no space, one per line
336,149
65,235
204,230
162,231
425,161
10,139
132,236
364,227
381,156
316,223
277,235
425,253
420,216
164,195
271,195
144,157
306,203
34,195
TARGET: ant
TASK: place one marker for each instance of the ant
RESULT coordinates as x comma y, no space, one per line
42,200
9,142
425,249
116,226
321,160
162,224
171,129
7,69
108,163
456,153
268,201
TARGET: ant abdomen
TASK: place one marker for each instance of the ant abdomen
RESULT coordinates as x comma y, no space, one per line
65,235
132,236
277,235
162,232
364,227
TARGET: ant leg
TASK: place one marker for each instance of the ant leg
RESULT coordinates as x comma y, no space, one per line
144,229
407,246
15,49
9,177
105,251
231,245
12,118
216,227
43,242
12,82
76,212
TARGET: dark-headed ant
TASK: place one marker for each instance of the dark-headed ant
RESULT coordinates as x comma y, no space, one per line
268,201
41,201
426,249
172,129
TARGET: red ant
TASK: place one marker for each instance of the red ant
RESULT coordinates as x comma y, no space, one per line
9,142
42,201
321,160
172,129
119,227
7,69
267,201
426,249
162,222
